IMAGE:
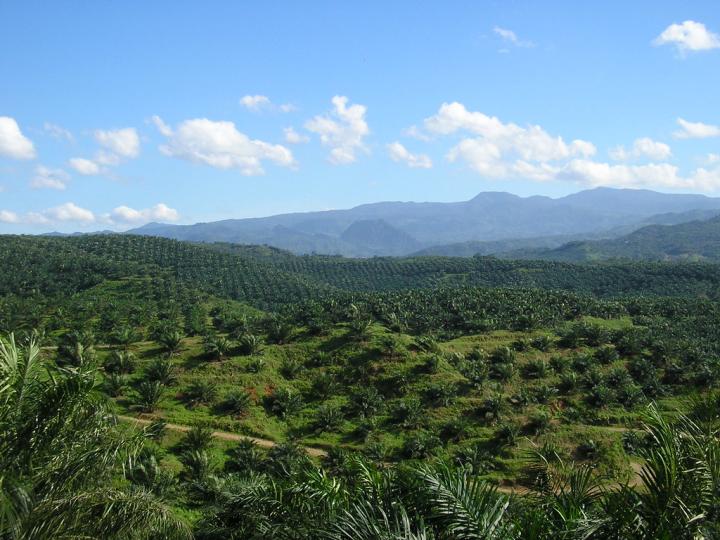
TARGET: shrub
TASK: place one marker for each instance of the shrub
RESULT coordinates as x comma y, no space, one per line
491,408
237,402
502,372
170,341
285,402
407,412
535,369
503,355
440,394
244,458
328,418
322,386
198,465
217,347
249,344
539,421
120,362
256,365
200,393
156,430
542,343
600,396
606,354
115,384
161,371
559,364
290,368
431,364
421,445
544,393
568,382
287,459
149,394
197,438
365,401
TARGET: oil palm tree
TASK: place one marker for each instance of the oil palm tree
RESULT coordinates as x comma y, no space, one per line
60,453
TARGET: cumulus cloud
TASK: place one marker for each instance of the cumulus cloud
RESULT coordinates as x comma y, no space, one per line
511,37
117,145
255,103
642,148
219,144
293,137
695,130
58,132
399,153
13,143
72,213
259,103
6,216
69,212
343,130
122,142
662,175
84,166
688,36
46,178
159,212
500,149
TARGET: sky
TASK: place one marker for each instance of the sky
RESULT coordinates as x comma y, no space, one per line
114,114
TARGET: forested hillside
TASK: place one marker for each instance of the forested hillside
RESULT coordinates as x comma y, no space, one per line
695,241
228,391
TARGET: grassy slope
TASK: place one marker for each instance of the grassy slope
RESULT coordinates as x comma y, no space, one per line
232,373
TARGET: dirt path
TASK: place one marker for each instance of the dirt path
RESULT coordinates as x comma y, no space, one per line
222,435
317,452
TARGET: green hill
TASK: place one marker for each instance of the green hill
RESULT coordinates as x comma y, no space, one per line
695,241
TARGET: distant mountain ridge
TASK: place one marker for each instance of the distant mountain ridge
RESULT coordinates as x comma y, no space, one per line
693,240
402,228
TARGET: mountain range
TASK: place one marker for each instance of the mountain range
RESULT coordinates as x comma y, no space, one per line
490,223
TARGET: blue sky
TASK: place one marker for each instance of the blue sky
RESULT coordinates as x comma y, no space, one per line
114,114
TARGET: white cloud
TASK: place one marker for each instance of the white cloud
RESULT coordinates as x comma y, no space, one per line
49,178
511,37
696,130
711,159
399,153
416,133
159,212
13,143
688,36
221,145
117,144
6,216
343,130
161,126
642,148
58,132
68,212
293,137
255,103
501,149
84,166
123,142
260,103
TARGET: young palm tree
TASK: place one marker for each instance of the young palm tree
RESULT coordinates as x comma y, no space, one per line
60,454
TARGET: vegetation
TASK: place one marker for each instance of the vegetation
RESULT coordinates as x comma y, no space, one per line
276,396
